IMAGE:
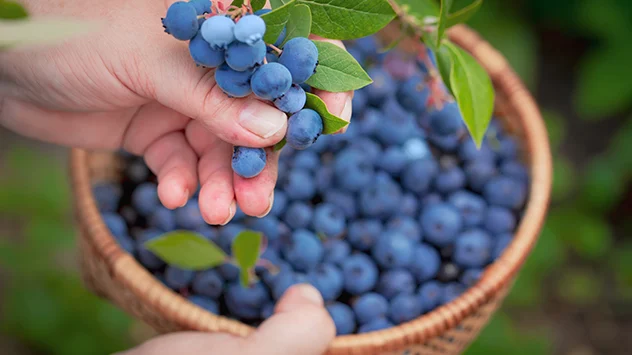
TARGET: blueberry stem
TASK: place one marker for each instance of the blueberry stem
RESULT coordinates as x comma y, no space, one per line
268,265
276,49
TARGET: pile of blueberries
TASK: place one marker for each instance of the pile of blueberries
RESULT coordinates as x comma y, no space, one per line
394,218
233,43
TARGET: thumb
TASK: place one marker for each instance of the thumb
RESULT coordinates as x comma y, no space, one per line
300,326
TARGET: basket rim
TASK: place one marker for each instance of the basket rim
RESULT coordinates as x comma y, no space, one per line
145,286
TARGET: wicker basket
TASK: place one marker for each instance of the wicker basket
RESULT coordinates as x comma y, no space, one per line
115,275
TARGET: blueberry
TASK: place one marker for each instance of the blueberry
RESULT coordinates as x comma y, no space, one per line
218,31
430,199
267,310
208,283
515,170
409,205
359,102
271,81
272,57
241,57
203,54
136,171
336,251
381,198
146,257
446,121
404,308
419,174
328,280
441,223
208,232
508,148
395,282
227,234
417,148
393,161
504,191
115,224
292,101
471,277
356,54
426,262
478,173
452,291
499,220
145,198
367,45
413,94
298,215
163,219
279,204
448,143
324,178
300,185
322,144
472,207
233,83
369,307
181,21
450,180
430,295
501,243
473,248
107,196
393,249
300,57
353,169
406,226
304,128
189,216
178,278
282,281
360,273
364,233
383,85
468,151
329,220
375,325
304,250
307,160
248,162
343,318
205,303
270,226
370,121
201,6
250,29
401,127
246,302
229,272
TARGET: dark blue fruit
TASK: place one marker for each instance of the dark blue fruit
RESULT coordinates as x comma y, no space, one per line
233,83
248,162
292,101
303,129
343,318
181,21
300,57
241,56
271,81
203,54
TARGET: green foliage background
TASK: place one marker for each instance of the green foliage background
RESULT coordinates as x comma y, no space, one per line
573,54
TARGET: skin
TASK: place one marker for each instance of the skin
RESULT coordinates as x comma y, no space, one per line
131,86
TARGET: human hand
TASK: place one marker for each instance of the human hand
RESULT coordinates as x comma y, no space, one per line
131,86
300,326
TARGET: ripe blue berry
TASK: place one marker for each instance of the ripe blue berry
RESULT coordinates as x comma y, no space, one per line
419,175
181,20
229,272
508,148
501,243
233,83
336,251
343,200
246,302
271,81
393,250
201,6
250,29
343,318
299,185
306,159
393,161
383,85
378,324
448,143
472,207
205,303
303,129
446,121
115,224
431,199
328,280
298,215
403,308
515,170
292,101
360,273
402,126
353,169
364,233
381,198
270,226
450,180
241,56
499,220
452,291
248,162
107,196
471,277
208,283
505,192
300,57
370,121
267,310
203,54
189,216
304,251
413,94
441,223
478,173
218,31
227,234
406,226
468,151
279,204
473,248
409,206
359,102
145,198
425,262
395,282
430,295
163,219
329,220
369,307
178,278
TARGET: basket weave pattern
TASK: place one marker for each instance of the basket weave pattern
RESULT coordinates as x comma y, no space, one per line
113,274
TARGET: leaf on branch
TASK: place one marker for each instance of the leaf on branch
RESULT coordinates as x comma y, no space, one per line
331,123
337,70
299,24
276,20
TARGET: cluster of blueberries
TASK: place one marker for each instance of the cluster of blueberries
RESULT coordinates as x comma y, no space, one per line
399,215
233,43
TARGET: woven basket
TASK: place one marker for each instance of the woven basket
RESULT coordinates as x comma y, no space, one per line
115,275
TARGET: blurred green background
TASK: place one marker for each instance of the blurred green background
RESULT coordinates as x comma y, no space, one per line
574,296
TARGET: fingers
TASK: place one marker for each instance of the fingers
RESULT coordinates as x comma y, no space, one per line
300,326
256,195
217,196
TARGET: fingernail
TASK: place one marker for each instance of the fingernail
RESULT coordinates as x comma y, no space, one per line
231,213
186,198
346,111
261,119
310,294
271,203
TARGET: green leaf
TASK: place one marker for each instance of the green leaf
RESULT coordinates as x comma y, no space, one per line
444,65
187,250
246,249
420,8
237,3
345,19
277,3
11,10
337,70
463,14
331,123
244,277
299,24
473,91
276,20
257,4
30,32
603,88
280,145
446,5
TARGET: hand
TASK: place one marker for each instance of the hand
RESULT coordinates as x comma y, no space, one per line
131,86
300,326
